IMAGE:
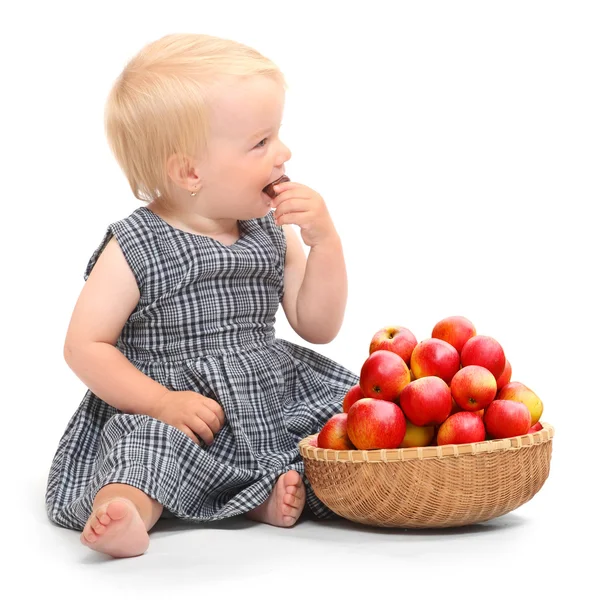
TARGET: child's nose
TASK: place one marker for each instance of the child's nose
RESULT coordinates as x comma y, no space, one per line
284,154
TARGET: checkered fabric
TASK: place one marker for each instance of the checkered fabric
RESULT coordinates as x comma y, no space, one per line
204,322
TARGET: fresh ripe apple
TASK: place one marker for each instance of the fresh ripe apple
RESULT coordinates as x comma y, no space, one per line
426,401
473,388
536,427
484,351
506,418
334,434
435,357
519,392
395,339
454,330
384,375
375,424
416,436
505,377
352,395
463,427
313,442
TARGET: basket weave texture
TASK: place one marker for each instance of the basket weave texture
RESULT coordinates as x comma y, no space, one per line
430,487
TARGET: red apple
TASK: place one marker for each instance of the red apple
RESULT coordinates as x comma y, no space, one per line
352,395
416,436
395,339
519,392
384,375
461,428
334,434
435,357
506,418
426,401
454,330
505,377
473,387
313,442
484,351
536,427
375,424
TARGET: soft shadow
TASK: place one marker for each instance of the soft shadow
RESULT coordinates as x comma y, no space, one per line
507,521
175,525
172,526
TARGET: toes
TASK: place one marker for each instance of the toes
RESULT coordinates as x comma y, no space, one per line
96,525
118,509
104,519
88,536
289,510
99,529
101,518
292,500
292,478
295,491
293,483
93,528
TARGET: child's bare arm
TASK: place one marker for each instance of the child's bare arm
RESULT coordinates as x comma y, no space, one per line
316,289
107,299
104,305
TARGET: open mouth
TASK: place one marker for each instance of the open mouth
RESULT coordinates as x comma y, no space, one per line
269,191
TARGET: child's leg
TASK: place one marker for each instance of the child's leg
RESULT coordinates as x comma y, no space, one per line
121,518
285,503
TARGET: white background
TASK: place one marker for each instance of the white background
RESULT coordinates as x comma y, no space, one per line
457,147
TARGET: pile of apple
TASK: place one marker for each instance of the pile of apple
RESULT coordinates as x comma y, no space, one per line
452,388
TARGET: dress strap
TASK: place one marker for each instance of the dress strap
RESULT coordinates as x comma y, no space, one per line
135,241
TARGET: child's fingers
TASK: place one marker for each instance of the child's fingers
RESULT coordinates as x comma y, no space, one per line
286,185
295,193
289,218
190,434
295,205
294,218
201,429
210,418
215,408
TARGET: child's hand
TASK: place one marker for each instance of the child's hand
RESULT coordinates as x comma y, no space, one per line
297,204
191,413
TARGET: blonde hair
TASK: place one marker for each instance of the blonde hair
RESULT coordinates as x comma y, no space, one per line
158,105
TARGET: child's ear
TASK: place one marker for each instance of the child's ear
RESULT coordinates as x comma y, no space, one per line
184,172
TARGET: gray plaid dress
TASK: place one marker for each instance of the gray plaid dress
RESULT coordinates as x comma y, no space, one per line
204,322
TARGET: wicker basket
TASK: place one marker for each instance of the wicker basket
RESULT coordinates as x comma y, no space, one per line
434,486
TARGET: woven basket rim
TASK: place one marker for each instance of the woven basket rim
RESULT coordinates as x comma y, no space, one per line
425,452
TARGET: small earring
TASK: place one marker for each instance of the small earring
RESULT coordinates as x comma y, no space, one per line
192,193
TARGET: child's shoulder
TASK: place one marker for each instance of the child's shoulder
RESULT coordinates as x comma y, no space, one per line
139,221
137,238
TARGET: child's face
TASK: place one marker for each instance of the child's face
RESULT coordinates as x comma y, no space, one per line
244,150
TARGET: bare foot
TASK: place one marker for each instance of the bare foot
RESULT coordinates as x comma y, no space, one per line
116,528
283,507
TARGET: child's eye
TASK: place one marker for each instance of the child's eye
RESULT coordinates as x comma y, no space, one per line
262,143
